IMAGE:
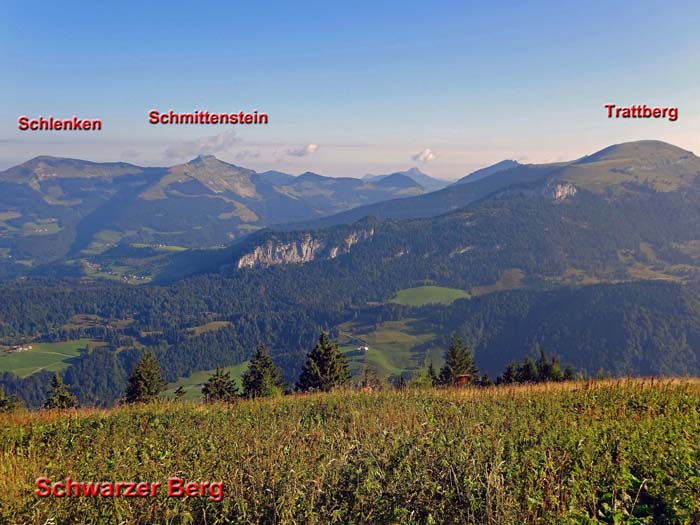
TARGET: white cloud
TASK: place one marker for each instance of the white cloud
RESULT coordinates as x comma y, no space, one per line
187,149
248,154
426,155
304,151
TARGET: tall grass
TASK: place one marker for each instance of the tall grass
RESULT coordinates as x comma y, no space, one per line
608,451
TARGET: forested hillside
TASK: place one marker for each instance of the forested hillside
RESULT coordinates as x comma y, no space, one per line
645,328
596,264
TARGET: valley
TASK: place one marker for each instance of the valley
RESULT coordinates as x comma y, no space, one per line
588,260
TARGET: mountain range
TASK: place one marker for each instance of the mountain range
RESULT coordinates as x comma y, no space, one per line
55,208
95,215
626,211
596,260
621,169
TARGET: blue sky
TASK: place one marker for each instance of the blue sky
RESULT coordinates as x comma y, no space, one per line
371,84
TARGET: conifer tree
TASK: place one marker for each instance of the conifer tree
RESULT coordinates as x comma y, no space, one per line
325,368
59,396
459,360
544,368
145,382
548,370
527,371
485,380
509,375
263,378
555,373
569,373
220,387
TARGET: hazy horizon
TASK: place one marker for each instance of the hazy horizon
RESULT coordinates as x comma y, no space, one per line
423,169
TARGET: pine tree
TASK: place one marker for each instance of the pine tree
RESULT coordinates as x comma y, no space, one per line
555,373
325,367
263,378
544,369
485,380
59,396
145,383
220,387
548,370
569,374
509,375
527,372
459,360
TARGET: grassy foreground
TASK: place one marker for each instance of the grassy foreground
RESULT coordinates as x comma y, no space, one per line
611,452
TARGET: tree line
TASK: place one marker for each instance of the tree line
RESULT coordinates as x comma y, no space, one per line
460,369
325,369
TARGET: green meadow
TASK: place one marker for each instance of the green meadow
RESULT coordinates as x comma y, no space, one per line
43,356
423,295
393,347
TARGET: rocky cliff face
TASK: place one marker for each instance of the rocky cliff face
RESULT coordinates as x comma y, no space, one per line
305,247
561,191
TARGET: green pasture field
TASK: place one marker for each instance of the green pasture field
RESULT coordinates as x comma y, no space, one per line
42,356
423,295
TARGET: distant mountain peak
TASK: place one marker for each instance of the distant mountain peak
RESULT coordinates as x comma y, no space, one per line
310,175
44,158
639,150
489,170
45,167
207,160
212,164
415,174
399,179
630,166
53,160
275,177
